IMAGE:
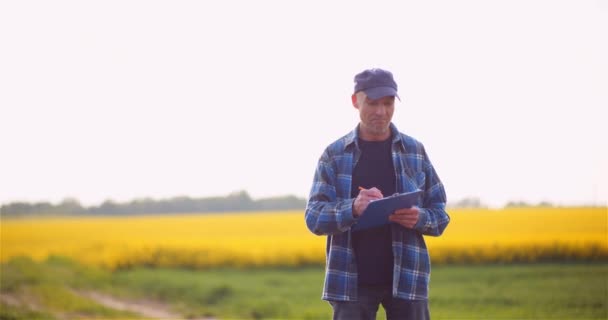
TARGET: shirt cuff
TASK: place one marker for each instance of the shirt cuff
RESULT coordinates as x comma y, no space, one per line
423,217
347,215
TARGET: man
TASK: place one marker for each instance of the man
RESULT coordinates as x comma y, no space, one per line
387,265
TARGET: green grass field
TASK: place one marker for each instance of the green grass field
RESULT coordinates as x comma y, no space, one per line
51,290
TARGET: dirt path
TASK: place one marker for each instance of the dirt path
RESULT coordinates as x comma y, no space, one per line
145,308
10,300
19,301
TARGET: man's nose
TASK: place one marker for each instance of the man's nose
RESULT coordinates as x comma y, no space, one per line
381,110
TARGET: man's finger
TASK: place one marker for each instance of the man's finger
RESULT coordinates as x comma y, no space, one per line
373,193
407,210
402,218
405,214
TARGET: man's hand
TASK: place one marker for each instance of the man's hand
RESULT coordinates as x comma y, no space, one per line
363,198
406,217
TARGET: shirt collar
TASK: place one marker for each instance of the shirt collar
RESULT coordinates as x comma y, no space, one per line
352,137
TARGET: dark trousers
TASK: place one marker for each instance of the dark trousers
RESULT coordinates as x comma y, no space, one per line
370,298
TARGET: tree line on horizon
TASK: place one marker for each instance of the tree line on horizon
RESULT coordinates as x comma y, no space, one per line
237,201
234,202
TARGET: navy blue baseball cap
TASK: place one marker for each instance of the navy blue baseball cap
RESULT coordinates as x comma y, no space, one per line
376,83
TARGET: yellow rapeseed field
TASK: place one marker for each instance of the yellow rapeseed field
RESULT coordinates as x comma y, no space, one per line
281,238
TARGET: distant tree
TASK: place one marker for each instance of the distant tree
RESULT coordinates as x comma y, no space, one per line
523,204
107,207
16,208
69,206
517,204
281,203
42,208
469,202
145,205
239,201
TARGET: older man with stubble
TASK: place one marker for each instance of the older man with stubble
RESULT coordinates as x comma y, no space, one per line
387,265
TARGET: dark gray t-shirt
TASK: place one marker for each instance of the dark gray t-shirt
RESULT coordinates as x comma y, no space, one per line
373,247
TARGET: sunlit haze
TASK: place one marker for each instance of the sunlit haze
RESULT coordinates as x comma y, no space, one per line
130,99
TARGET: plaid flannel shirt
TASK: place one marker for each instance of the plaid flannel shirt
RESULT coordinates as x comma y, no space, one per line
329,211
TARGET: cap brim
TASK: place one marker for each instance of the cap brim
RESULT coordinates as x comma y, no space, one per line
379,92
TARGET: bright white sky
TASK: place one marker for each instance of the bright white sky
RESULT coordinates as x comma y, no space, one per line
129,99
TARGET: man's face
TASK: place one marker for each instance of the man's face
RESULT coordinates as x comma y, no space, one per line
375,116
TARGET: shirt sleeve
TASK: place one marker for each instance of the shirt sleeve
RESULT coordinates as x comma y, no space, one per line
325,213
433,218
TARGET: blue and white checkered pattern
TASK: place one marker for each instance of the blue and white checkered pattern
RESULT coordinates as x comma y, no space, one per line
330,206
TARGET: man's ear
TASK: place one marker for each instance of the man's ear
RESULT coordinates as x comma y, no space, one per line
353,98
